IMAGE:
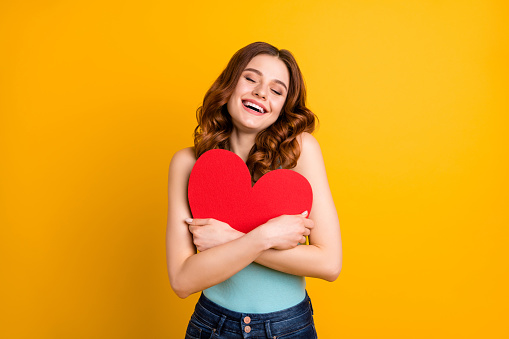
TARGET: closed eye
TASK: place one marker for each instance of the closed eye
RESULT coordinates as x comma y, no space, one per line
276,92
249,79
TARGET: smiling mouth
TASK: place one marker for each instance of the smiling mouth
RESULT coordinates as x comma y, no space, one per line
253,106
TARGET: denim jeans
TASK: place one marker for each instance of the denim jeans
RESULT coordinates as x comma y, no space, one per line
210,321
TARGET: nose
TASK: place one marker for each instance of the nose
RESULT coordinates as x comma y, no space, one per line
260,91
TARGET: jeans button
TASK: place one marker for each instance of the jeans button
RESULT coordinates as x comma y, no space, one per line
247,329
247,320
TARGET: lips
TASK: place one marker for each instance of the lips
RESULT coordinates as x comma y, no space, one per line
254,106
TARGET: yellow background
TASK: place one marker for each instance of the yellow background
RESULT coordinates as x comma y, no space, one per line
96,96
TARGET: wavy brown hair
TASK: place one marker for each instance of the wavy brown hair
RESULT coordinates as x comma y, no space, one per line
277,144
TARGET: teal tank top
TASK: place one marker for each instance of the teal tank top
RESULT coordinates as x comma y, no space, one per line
258,289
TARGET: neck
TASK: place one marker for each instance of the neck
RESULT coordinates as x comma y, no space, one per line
241,143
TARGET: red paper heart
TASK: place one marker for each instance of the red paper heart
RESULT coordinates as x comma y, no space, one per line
220,188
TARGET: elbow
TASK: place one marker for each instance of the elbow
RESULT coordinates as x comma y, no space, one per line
181,293
333,275
332,272
180,289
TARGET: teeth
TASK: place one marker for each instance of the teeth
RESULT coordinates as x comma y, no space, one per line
249,103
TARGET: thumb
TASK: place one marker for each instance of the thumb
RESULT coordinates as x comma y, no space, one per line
197,222
305,213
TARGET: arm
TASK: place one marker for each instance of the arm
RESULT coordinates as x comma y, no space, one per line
322,258
190,272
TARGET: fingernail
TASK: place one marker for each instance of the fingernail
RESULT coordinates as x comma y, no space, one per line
189,220
305,213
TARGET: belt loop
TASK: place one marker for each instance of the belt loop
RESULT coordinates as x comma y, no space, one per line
311,307
267,329
220,324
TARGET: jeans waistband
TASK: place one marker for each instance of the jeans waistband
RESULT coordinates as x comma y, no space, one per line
254,324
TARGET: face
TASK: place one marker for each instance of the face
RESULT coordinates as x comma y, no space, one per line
260,94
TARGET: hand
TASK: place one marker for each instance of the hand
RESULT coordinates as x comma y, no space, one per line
287,231
208,233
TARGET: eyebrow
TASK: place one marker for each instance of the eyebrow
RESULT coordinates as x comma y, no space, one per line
261,74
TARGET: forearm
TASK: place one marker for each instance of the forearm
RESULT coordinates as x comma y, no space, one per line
303,260
213,266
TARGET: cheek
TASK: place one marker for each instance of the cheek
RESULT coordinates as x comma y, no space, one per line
233,98
229,106
281,104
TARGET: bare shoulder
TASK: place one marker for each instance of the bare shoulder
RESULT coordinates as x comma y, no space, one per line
308,144
310,153
182,162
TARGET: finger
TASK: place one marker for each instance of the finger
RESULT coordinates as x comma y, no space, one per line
307,232
305,213
303,240
197,222
308,223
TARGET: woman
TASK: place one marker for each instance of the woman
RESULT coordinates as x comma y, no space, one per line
253,284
